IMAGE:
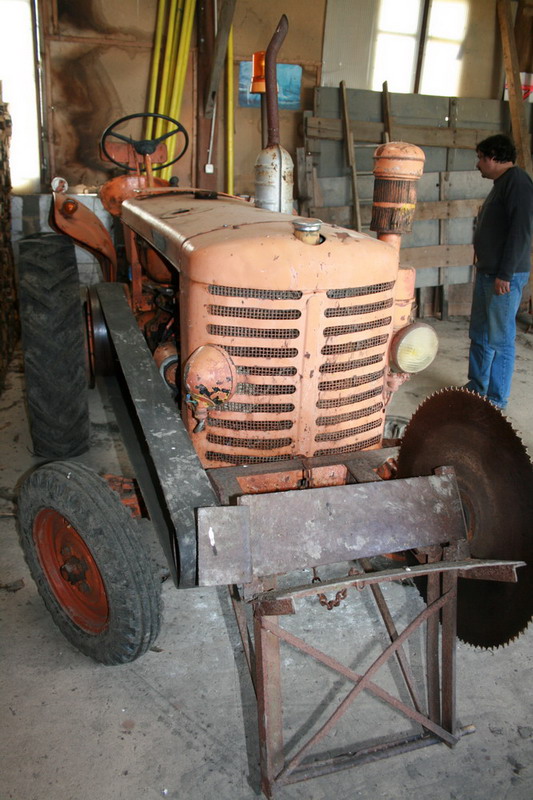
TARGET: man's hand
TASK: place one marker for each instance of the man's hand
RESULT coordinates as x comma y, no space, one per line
501,287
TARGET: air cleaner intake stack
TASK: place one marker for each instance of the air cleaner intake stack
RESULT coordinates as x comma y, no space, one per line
397,168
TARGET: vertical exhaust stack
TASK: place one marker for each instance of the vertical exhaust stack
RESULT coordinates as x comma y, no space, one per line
397,168
274,166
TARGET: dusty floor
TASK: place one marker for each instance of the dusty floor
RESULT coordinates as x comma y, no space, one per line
179,723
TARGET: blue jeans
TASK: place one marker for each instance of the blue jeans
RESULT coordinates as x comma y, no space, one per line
492,337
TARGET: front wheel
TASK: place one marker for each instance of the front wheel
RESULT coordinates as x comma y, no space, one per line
91,565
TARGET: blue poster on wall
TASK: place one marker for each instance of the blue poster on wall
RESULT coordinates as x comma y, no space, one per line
289,86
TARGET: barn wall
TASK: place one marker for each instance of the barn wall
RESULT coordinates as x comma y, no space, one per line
97,59
98,56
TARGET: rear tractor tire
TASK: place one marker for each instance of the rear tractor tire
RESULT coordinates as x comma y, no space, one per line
91,565
53,341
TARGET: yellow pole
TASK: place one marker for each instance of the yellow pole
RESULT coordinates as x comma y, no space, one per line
156,60
181,71
165,101
170,46
230,115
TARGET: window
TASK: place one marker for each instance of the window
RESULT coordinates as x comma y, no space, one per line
395,45
441,73
17,73
398,39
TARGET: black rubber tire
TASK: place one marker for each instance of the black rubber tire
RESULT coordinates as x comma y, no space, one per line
53,342
118,553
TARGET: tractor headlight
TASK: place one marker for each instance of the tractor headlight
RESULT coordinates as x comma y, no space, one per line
413,348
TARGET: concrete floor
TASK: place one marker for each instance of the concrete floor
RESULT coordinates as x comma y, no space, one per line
180,722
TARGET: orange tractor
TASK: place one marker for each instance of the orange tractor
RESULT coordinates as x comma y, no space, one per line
250,355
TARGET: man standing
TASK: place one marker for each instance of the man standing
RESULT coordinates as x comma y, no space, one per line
502,246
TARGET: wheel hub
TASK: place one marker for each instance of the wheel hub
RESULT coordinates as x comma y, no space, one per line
74,570
71,571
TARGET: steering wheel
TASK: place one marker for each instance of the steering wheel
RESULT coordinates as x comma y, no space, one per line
144,147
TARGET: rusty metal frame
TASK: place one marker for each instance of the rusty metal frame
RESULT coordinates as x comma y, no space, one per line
441,562
438,724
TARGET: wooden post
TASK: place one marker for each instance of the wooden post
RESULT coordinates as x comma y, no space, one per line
512,74
350,155
444,224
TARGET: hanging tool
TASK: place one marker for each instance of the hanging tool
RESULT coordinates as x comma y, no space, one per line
209,167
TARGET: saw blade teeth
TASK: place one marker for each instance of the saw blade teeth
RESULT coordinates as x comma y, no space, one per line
459,427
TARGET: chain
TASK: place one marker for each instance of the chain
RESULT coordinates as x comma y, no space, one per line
329,604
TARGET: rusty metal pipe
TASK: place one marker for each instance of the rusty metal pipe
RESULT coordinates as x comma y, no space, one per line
271,82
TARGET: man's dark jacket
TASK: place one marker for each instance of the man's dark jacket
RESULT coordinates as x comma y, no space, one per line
502,238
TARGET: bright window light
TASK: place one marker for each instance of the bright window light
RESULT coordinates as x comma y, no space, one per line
442,58
393,62
399,17
397,41
448,19
445,73
395,45
17,73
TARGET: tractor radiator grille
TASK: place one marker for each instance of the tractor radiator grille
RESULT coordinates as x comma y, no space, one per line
350,448
254,313
251,333
340,330
351,311
350,399
360,291
260,389
258,408
347,365
243,431
250,425
354,347
258,294
266,370
229,458
349,383
348,432
337,419
262,352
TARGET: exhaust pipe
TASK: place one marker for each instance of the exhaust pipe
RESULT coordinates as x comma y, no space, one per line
274,167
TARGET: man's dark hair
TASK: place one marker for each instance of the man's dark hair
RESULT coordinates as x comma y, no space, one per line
499,147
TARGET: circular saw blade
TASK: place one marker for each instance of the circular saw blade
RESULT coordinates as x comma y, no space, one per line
458,428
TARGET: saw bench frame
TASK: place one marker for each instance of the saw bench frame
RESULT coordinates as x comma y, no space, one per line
308,527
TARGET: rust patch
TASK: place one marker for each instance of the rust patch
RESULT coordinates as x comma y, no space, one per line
84,16
83,95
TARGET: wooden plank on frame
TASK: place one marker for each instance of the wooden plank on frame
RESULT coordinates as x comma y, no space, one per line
438,209
440,255
460,138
